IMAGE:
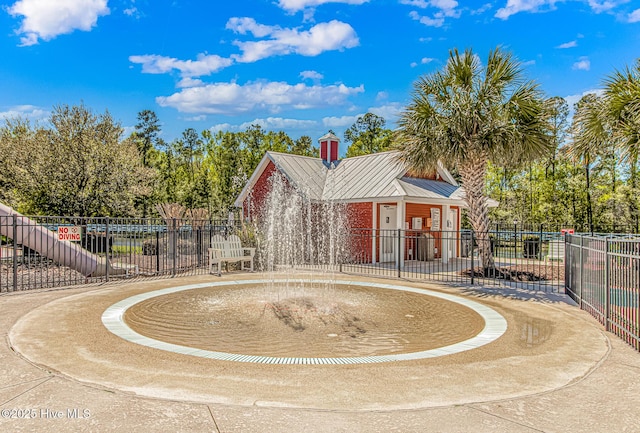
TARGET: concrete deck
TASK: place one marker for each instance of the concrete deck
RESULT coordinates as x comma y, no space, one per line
554,370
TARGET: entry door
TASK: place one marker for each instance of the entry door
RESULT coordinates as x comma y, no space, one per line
453,235
388,233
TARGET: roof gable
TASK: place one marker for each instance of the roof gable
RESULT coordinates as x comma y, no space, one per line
368,177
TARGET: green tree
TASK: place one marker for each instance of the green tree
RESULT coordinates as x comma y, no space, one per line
304,146
622,108
146,133
78,167
467,115
368,135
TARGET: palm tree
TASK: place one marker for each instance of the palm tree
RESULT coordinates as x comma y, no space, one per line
590,134
469,114
622,108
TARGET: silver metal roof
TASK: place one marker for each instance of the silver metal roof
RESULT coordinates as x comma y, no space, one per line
305,173
369,177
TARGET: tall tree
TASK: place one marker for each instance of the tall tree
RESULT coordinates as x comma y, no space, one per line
590,138
469,114
368,135
622,93
304,146
146,133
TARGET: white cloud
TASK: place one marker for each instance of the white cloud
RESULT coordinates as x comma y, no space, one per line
634,16
422,4
269,123
28,112
223,127
333,35
529,63
599,6
515,6
482,9
382,96
436,21
46,19
205,64
311,75
298,5
232,98
198,118
582,65
444,5
190,82
445,9
570,44
339,122
389,112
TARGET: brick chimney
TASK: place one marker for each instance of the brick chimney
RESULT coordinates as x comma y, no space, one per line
329,148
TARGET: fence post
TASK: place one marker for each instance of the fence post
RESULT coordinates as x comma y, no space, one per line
473,270
607,307
157,250
581,280
174,253
106,241
15,252
399,252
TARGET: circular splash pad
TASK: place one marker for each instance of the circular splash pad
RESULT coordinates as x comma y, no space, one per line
321,322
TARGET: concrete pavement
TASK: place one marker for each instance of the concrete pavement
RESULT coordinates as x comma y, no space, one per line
61,371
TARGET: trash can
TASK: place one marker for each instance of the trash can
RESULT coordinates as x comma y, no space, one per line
465,243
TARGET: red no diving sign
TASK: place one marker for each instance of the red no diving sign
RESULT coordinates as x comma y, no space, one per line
69,233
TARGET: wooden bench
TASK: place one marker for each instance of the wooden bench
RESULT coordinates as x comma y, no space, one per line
556,250
229,250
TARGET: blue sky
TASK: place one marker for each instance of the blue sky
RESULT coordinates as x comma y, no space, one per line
302,66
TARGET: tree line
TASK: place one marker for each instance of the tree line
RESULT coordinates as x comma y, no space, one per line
79,163
542,166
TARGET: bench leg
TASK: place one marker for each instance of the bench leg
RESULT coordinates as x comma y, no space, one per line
219,266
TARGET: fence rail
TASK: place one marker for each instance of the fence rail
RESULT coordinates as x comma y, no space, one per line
603,277
522,259
601,273
32,256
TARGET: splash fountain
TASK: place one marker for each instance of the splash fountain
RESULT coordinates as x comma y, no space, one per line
303,318
349,343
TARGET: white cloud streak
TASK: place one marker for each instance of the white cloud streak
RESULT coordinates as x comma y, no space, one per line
333,35
203,65
311,75
46,19
232,98
570,44
634,16
292,6
533,6
516,6
28,112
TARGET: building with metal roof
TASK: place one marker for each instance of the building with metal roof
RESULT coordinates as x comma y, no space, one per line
378,190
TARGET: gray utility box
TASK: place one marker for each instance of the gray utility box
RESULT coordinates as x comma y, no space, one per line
426,247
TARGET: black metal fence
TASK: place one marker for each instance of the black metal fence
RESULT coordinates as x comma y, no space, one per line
603,277
528,260
95,250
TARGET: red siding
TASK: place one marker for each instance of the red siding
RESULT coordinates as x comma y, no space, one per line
360,220
254,201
